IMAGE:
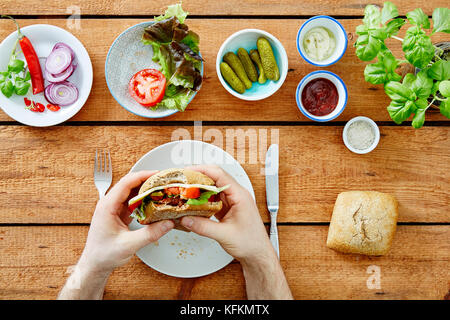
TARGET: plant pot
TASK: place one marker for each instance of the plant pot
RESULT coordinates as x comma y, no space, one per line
445,46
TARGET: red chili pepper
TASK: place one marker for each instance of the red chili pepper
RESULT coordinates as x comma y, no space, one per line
40,106
34,107
53,107
37,79
27,102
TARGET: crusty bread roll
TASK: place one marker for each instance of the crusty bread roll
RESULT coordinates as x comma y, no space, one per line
363,222
154,212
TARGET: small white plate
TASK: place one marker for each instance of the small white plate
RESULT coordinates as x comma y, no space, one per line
376,132
43,37
125,58
178,253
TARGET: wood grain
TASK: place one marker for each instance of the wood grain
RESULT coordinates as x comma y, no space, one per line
199,7
213,102
34,262
47,174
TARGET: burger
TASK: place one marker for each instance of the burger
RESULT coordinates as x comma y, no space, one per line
175,193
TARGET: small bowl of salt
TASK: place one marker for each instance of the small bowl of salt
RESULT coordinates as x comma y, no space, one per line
361,135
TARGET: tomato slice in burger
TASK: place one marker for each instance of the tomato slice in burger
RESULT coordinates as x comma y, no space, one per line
191,193
147,87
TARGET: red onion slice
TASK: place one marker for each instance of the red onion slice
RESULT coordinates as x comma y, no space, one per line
62,94
63,45
58,60
59,77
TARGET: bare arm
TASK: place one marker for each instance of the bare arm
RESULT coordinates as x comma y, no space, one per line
242,234
110,243
264,278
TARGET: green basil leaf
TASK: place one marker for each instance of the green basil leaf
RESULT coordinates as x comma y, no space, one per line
441,20
399,111
444,88
367,47
3,76
440,70
435,88
16,66
411,37
421,52
409,79
399,92
28,76
419,116
394,26
372,16
445,107
422,85
7,88
21,87
375,73
419,18
388,12
361,29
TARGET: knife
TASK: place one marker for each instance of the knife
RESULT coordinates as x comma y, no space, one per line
271,172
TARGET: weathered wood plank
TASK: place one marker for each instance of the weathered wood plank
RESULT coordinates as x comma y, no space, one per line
47,174
34,262
213,102
199,7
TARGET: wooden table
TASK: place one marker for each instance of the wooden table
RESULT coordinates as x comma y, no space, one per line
46,181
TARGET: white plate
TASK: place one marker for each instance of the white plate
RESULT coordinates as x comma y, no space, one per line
178,253
44,37
125,58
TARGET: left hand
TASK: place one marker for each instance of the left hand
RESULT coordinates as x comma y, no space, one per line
110,243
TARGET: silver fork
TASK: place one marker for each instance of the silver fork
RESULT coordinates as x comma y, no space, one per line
102,172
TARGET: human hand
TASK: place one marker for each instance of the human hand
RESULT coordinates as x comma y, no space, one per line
240,230
110,243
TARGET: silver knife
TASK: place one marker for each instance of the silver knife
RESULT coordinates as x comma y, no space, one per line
271,172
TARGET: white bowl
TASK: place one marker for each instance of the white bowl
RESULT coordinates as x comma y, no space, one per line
341,89
247,39
340,35
375,129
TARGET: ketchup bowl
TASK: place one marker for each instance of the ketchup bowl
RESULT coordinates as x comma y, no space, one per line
321,96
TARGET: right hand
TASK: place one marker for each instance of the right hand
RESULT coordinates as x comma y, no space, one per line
240,230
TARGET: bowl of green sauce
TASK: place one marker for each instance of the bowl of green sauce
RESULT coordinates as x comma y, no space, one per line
322,41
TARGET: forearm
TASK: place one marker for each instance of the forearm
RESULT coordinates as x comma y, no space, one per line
84,284
265,279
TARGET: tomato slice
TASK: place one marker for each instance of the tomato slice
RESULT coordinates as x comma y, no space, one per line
173,191
190,193
147,87
53,107
133,206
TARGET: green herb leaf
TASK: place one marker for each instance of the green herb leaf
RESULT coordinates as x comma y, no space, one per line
388,12
27,76
394,26
441,20
440,70
444,88
418,48
399,92
419,18
21,87
382,71
372,16
445,107
367,47
399,111
419,117
422,85
16,66
178,101
4,76
7,88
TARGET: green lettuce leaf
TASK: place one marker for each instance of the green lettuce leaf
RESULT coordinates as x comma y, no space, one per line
178,100
202,199
174,11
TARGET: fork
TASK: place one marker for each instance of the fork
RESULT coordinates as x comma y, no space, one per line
102,172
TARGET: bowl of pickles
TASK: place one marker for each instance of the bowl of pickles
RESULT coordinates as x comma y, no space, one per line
252,64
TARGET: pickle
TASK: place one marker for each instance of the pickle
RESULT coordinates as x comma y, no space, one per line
249,67
231,78
235,64
254,55
268,59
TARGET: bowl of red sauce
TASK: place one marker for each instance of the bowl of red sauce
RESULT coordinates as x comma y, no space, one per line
321,96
